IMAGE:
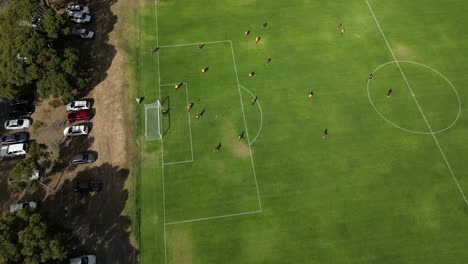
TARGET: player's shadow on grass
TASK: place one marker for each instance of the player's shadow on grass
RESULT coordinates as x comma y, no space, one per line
166,117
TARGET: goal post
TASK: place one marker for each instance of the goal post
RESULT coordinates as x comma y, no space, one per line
153,121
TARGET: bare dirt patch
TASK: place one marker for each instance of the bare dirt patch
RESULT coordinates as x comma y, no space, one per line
183,254
404,52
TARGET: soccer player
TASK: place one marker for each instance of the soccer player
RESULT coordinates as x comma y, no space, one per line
390,93
200,46
189,107
217,148
251,74
254,100
311,94
371,76
342,31
338,27
257,39
268,60
246,33
176,87
204,70
325,134
153,50
198,116
241,136
265,25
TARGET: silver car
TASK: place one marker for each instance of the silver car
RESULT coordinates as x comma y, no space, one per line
86,157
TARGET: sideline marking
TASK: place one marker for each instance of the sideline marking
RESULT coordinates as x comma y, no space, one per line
245,124
419,107
193,44
211,218
162,140
261,114
409,130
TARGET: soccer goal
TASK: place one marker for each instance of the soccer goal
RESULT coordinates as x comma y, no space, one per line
153,121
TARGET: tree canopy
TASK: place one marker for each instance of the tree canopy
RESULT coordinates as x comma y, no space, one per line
26,238
34,53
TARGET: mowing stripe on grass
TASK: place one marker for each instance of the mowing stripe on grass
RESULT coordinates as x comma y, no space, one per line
419,107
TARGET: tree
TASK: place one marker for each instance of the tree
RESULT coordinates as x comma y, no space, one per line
26,238
33,52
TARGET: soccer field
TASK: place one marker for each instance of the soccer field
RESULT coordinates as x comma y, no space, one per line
388,183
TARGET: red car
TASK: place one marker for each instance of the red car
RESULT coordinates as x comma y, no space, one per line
78,116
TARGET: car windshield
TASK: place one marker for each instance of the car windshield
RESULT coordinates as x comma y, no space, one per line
84,260
70,129
20,122
86,32
85,156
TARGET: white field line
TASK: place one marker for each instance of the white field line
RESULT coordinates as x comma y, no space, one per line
193,44
211,218
419,107
261,114
245,124
177,162
162,140
188,117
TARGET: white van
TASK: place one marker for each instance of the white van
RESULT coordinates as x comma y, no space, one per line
14,150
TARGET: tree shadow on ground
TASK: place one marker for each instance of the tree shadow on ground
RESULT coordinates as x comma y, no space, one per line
97,54
95,218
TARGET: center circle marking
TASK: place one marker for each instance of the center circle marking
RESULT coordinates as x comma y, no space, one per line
410,130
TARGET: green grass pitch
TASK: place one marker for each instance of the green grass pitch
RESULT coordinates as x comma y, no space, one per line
385,186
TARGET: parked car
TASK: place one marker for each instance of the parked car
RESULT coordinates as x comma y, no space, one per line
78,105
14,150
20,206
78,116
88,186
83,33
79,17
77,9
21,137
75,131
87,259
21,110
17,124
28,100
86,157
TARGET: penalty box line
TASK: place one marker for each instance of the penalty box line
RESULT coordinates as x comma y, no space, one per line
195,43
212,218
189,123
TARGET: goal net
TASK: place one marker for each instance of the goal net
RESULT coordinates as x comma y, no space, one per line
153,121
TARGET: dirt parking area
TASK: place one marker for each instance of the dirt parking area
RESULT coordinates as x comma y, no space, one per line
96,219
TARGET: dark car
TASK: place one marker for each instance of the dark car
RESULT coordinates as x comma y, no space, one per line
21,137
78,116
86,157
21,110
22,100
88,186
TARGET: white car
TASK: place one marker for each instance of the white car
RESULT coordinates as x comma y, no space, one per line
78,105
77,9
79,130
87,259
83,33
20,206
79,17
17,124
14,150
